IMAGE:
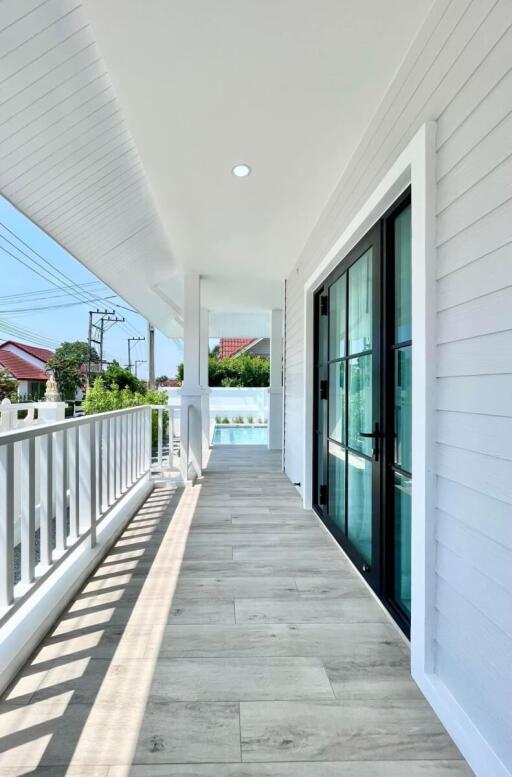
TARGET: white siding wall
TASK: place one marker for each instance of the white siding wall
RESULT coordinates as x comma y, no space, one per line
459,73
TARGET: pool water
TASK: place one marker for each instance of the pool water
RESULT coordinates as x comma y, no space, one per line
240,435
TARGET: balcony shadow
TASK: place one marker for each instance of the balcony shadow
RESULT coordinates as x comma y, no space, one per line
81,698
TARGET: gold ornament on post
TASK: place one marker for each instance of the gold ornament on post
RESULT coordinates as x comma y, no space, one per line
52,392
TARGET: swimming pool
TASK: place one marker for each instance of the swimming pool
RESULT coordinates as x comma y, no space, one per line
240,435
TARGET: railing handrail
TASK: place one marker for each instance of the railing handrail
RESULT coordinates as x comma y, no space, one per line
69,423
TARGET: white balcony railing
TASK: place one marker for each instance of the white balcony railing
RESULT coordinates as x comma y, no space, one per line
58,481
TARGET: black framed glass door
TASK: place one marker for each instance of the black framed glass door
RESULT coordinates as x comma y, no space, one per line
362,419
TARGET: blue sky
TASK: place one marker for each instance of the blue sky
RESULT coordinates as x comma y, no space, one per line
40,303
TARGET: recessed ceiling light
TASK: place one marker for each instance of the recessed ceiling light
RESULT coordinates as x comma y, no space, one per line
241,171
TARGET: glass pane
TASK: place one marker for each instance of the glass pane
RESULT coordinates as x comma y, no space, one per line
403,276
337,401
403,408
402,542
337,486
337,318
360,505
360,304
321,353
360,413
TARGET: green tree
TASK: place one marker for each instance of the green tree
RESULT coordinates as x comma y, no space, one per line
123,378
8,386
67,365
161,379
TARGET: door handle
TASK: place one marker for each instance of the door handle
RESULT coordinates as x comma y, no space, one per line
375,435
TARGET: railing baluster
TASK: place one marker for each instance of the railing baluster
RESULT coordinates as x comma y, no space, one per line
99,466
46,500
141,438
121,453
126,451
133,446
112,460
170,412
148,439
160,421
28,509
60,491
129,444
105,441
74,484
88,480
6,524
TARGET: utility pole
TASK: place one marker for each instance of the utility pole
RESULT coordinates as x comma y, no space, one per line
130,341
139,361
97,320
151,355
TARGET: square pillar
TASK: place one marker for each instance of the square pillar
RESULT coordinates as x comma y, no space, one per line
204,382
191,394
275,409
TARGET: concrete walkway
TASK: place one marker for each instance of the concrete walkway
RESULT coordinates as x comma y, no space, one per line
225,635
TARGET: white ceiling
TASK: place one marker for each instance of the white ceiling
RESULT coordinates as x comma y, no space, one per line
287,86
124,154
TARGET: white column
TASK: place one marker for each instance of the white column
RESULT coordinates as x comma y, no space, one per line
191,394
203,380
275,404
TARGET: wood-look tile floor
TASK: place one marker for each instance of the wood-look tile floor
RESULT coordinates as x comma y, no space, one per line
224,635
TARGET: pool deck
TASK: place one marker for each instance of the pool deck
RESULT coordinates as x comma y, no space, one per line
224,635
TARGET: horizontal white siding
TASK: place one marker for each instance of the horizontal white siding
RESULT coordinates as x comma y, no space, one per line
459,73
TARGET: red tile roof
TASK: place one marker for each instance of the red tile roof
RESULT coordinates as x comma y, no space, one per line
39,353
170,383
230,346
19,368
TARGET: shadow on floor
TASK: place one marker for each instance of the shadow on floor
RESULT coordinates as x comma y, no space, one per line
90,676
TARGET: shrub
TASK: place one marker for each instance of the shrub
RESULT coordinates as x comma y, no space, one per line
235,371
225,420
239,419
250,419
102,399
218,419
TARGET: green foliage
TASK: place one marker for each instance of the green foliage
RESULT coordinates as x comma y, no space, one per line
225,420
8,386
218,419
161,379
244,371
250,419
239,419
66,365
101,398
123,378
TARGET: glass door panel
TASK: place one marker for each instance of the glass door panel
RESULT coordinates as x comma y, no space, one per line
402,542
403,407
337,401
360,309
359,511
337,485
360,403
337,318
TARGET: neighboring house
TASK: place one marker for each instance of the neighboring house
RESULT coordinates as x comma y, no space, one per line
234,346
27,365
170,383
